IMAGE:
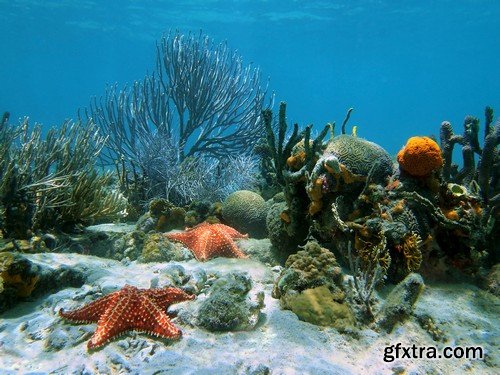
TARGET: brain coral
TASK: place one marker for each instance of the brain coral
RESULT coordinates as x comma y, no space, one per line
420,156
359,155
246,211
308,268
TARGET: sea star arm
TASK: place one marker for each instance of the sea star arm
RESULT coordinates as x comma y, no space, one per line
91,312
114,321
236,252
167,296
153,320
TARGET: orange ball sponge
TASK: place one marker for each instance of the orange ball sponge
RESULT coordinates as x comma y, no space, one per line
420,156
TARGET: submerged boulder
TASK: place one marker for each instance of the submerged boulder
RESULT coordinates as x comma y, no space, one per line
229,306
400,302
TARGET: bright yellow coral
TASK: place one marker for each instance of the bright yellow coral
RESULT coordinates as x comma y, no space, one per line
420,156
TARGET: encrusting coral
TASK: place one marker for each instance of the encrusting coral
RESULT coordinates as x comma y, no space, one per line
311,286
420,156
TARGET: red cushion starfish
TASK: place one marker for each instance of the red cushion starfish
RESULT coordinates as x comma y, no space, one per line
210,240
128,309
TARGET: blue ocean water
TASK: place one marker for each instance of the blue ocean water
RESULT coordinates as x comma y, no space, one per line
403,65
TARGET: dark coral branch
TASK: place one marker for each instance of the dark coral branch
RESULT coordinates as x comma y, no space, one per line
346,119
280,151
486,178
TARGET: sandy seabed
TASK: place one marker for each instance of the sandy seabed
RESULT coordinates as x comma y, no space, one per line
33,339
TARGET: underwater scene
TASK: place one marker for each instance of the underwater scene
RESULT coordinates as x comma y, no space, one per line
249,187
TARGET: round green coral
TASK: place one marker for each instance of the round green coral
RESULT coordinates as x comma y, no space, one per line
246,211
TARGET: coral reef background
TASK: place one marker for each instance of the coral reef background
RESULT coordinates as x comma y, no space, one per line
275,220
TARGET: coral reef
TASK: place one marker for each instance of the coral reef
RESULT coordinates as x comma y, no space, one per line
275,153
369,267
420,157
159,249
246,211
198,90
359,157
346,167
166,215
486,173
281,239
321,307
259,250
492,281
51,181
309,268
290,226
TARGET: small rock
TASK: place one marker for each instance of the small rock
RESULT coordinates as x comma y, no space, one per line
400,302
228,306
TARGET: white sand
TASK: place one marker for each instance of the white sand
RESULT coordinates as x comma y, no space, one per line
34,339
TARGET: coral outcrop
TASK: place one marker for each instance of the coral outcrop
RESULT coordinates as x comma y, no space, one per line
310,285
21,278
347,164
157,248
310,267
321,307
360,157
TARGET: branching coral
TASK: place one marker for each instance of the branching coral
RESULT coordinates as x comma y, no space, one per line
487,173
367,273
412,251
194,178
51,179
201,105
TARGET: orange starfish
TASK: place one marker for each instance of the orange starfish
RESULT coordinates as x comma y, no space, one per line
128,309
210,240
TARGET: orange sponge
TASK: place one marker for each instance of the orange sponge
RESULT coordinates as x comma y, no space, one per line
420,156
